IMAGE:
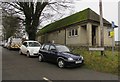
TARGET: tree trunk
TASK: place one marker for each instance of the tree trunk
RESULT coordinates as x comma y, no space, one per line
32,18
31,32
31,28
32,35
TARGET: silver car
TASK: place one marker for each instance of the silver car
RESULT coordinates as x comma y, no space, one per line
30,48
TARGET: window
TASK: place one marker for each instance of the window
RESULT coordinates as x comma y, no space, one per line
46,47
33,44
62,48
59,31
73,32
42,46
52,48
109,33
25,44
76,32
70,33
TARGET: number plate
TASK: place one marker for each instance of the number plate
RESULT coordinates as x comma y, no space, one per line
78,62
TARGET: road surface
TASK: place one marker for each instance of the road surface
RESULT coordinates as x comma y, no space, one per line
20,67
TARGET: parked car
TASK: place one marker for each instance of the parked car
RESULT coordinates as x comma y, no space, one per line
30,48
1,43
14,42
60,55
5,43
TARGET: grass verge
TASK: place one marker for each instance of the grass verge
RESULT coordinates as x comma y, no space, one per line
94,61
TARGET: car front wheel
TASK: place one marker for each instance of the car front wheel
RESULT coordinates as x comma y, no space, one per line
40,58
61,64
28,54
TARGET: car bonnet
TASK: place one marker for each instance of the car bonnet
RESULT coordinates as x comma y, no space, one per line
67,54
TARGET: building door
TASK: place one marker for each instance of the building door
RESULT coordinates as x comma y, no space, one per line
93,35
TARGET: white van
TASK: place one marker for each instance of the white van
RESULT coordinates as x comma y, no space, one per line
14,43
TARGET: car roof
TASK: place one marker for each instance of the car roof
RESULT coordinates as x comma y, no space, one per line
53,44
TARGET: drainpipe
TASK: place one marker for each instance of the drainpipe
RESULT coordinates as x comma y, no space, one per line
65,37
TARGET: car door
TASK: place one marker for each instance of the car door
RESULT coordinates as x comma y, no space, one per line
45,51
24,47
53,53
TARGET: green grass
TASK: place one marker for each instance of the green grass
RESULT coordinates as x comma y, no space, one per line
93,60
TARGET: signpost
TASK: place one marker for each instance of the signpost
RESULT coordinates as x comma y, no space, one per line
112,36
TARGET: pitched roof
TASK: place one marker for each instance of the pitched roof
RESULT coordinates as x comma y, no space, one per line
84,15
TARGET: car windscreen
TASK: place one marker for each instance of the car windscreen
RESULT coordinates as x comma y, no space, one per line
61,48
34,44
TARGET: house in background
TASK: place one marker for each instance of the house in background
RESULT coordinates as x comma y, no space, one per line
81,28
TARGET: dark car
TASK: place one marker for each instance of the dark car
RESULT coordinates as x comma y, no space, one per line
59,54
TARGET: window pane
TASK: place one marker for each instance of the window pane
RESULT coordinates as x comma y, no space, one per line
72,32
62,48
34,44
52,48
76,32
46,47
109,33
25,43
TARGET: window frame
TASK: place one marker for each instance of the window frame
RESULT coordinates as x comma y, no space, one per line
73,32
76,31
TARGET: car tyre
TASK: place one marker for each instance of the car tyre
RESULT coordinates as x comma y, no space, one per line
61,63
40,58
28,54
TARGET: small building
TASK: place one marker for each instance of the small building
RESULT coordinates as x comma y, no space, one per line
81,28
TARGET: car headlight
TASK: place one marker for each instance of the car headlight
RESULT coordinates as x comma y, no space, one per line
81,57
70,59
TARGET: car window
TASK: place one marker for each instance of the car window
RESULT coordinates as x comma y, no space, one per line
34,44
46,47
42,46
52,47
25,43
62,48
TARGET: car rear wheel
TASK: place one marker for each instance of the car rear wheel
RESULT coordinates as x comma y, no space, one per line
40,58
61,63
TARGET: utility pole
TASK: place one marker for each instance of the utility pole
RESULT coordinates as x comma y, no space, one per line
101,26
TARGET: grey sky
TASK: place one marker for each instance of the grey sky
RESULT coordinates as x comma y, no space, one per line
110,9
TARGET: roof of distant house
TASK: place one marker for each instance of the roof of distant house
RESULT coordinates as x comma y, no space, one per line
82,16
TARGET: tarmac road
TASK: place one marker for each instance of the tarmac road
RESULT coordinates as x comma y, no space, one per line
19,67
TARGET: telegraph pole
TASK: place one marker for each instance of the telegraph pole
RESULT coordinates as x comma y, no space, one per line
101,26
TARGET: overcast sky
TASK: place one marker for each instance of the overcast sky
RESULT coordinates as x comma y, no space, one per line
110,9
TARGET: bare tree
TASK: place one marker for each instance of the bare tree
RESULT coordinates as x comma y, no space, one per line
35,12
11,24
